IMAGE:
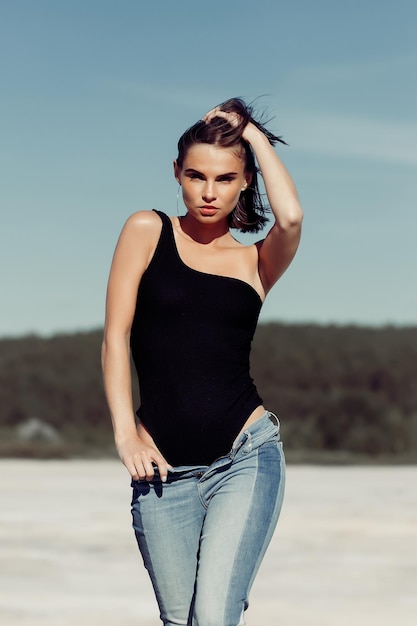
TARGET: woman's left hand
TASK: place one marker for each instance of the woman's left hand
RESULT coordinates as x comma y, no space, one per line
234,120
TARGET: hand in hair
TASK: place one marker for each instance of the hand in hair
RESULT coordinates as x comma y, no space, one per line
233,118
240,115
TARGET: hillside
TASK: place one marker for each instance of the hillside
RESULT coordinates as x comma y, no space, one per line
341,392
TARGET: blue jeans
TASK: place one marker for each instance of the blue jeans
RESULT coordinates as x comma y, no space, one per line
204,532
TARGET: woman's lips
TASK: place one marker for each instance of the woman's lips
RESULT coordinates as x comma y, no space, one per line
208,210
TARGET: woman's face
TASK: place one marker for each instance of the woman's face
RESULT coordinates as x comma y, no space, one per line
212,179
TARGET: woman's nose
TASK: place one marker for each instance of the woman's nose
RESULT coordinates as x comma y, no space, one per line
209,193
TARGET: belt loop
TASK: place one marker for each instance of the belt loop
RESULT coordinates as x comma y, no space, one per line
274,418
239,443
247,444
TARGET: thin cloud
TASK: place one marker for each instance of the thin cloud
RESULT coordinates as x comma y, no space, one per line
183,96
345,136
361,110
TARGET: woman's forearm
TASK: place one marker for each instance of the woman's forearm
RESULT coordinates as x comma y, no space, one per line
280,188
115,357
137,450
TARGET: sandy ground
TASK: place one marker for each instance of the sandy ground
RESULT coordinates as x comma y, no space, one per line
345,550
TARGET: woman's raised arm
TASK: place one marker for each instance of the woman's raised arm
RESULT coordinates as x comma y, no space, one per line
277,250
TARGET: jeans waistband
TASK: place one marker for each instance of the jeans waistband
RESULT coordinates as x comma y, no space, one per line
264,427
259,431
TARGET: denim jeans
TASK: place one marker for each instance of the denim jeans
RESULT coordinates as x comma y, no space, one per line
204,532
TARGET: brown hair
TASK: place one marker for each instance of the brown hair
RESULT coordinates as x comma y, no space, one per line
249,215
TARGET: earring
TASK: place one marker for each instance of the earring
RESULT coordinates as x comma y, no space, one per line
178,199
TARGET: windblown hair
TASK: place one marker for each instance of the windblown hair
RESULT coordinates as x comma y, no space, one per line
249,215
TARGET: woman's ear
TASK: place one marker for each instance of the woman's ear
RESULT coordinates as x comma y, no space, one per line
177,172
248,179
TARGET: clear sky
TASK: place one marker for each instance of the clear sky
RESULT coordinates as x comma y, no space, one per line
95,93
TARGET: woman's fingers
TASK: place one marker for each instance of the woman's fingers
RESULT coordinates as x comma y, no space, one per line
211,114
144,468
141,466
163,468
232,118
141,457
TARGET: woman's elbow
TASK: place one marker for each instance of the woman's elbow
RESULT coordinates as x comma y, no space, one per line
103,352
293,219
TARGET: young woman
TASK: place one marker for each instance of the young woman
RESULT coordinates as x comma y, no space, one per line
183,299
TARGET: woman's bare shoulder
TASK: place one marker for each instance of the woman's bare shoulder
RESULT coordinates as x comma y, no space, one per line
144,222
140,233
137,241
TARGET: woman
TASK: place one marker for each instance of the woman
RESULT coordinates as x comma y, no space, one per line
184,298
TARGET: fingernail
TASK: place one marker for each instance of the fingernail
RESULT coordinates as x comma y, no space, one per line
164,479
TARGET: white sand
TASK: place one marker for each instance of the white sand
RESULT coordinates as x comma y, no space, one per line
344,553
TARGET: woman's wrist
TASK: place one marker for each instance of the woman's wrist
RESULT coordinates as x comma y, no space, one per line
125,432
254,136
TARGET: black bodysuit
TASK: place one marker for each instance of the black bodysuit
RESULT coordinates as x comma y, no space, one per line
190,340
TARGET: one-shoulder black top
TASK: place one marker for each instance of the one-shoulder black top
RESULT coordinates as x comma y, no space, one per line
190,341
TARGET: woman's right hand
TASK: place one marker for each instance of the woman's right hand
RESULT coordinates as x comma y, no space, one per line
139,458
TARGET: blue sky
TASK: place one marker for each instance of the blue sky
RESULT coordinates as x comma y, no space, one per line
95,93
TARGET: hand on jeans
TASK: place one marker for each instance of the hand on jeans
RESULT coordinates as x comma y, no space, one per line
139,457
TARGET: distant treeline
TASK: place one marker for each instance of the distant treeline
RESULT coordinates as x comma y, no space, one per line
340,391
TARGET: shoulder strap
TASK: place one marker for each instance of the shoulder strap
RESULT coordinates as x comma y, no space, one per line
165,249
164,217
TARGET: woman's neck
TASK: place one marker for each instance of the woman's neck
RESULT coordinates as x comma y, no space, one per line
203,233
